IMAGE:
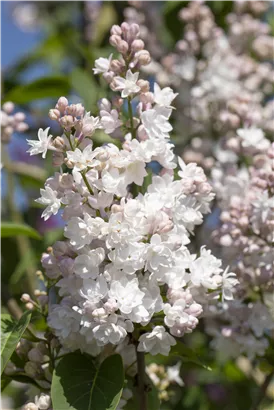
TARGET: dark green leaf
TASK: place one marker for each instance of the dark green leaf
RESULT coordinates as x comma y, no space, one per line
78,385
11,333
39,89
187,354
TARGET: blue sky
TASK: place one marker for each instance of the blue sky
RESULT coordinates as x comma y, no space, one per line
15,42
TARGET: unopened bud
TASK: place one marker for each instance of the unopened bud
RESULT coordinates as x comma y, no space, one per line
137,45
29,306
144,85
125,27
104,104
116,66
67,121
116,30
30,406
108,76
143,57
69,163
62,104
32,369
25,298
134,30
19,116
59,143
114,40
122,47
54,114
8,107
34,355
22,126
76,110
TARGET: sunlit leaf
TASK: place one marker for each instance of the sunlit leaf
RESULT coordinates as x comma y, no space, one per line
9,229
77,384
11,333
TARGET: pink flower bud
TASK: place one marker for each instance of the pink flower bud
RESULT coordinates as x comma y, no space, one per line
8,107
116,30
114,40
104,105
117,66
54,114
125,28
62,104
59,143
144,85
137,45
67,121
143,57
25,298
76,110
108,76
134,30
122,47
22,126
19,116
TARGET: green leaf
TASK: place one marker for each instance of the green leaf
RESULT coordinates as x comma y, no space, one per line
187,354
84,84
27,259
77,384
5,381
39,89
11,333
9,229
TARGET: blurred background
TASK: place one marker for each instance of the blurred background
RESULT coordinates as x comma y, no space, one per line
48,51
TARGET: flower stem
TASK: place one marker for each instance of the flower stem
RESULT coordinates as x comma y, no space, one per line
262,392
87,183
141,380
133,131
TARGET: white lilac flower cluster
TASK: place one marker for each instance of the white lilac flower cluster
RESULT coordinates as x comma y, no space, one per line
10,122
246,197
224,77
124,273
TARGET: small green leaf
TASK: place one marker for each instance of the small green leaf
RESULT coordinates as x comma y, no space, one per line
187,354
11,333
39,89
84,84
77,384
9,229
